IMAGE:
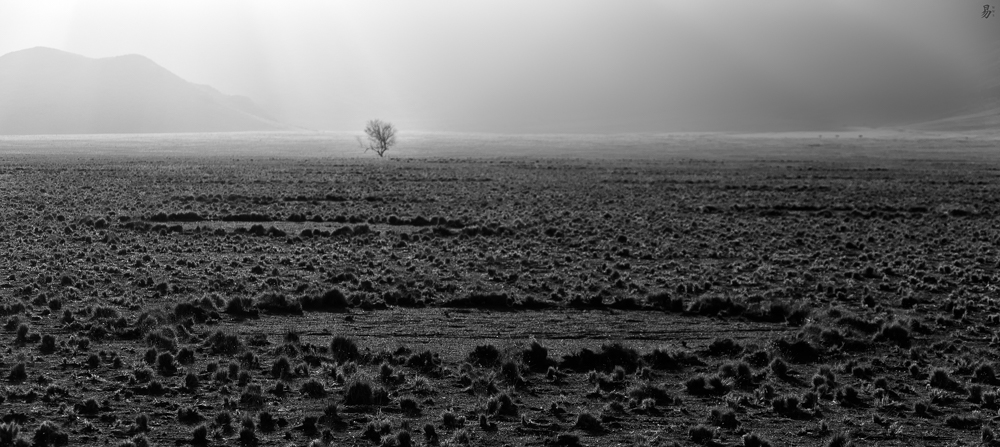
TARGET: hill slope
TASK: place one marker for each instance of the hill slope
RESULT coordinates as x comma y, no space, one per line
47,91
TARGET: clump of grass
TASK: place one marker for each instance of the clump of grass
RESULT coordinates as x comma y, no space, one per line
797,351
248,434
403,439
150,356
610,356
266,422
164,339
663,359
344,349
88,407
165,364
314,389
278,304
224,343
786,405
810,399
701,434
485,356
754,440
199,436
425,361
361,392
185,356
588,422
191,381
511,373
430,434
282,368
409,405
975,394
252,397
894,332
841,439
450,420
10,435
648,390
536,357
18,373
779,368
142,422
21,336
142,374
848,395
49,433
963,421
48,345
723,417
723,347
985,374
189,415
501,404
375,429
241,306
739,372
941,378
330,301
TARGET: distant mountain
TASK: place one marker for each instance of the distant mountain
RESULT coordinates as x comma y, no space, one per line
48,91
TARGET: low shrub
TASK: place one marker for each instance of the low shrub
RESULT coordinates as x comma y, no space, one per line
425,361
278,304
282,368
701,434
483,301
798,351
18,373
894,332
241,306
501,404
723,347
663,359
536,357
940,378
588,422
647,390
361,392
754,440
610,356
963,421
49,433
224,343
485,356
48,345
332,300
314,389
723,417
344,349
165,364
189,415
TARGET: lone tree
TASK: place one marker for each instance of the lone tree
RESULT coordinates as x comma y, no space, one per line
381,136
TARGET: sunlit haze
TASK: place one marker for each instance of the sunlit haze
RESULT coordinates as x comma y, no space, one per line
546,66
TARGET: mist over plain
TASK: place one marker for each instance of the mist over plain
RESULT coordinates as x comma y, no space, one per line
557,67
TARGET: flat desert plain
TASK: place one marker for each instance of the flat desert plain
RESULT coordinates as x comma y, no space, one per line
670,289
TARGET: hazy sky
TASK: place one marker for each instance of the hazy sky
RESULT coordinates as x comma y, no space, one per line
543,65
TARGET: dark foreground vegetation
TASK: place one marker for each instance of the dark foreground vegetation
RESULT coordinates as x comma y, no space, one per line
503,302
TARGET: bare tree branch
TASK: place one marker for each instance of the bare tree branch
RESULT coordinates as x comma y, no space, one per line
381,136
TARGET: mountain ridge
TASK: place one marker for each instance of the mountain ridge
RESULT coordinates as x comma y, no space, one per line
49,91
